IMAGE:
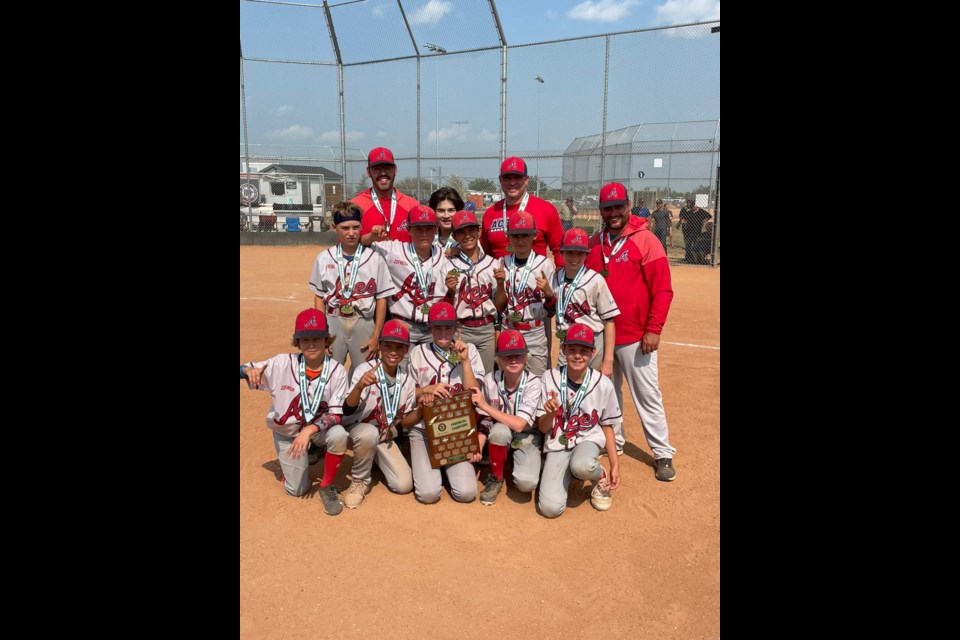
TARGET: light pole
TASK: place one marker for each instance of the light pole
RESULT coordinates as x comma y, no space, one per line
540,81
437,49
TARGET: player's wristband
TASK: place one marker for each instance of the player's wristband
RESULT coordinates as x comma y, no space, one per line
243,376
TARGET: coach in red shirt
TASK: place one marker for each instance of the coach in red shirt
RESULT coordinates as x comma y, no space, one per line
632,260
388,202
513,182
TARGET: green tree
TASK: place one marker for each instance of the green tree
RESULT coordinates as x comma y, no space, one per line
409,187
456,182
484,184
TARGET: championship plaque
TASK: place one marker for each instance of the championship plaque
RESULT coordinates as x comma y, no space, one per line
451,430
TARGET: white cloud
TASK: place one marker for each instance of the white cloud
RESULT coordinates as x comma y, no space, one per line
455,133
285,109
432,12
334,136
294,132
381,134
379,11
682,11
487,136
602,10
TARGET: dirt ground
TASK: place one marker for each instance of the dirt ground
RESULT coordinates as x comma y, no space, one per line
397,569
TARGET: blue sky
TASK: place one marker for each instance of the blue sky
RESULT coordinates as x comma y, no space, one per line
662,76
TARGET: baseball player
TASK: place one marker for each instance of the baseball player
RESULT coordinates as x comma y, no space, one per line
382,393
519,297
471,285
382,198
548,228
510,402
308,390
351,284
417,269
441,368
580,412
638,275
579,294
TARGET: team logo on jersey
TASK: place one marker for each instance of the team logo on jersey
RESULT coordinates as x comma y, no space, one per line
474,297
417,295
575,310
497,225
296,411
613,193
573,426
402,226
623,257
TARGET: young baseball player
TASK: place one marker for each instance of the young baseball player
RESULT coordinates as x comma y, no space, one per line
510,402
638,274
351,285
580,411
441,368
382,393
416,268
579,294
471,285
446,201
518,297
308,390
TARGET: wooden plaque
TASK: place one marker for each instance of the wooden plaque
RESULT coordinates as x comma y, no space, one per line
451,430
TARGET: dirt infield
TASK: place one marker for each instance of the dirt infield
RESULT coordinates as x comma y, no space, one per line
396,569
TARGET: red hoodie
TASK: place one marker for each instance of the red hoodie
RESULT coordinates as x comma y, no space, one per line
639,280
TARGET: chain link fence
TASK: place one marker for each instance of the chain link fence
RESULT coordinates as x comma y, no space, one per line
322,85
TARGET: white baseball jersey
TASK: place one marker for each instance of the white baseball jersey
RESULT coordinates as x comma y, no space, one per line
282,380
528,300
592,302
371,410
599,408
529,405
373,281
476,289
406,303
427,368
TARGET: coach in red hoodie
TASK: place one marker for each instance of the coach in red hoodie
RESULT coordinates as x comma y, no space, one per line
632,260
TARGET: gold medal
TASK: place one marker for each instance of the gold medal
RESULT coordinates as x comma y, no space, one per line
453,358
563,440
515,317
516,443
561,333
509,248
605,272
425,308
454,272
346,310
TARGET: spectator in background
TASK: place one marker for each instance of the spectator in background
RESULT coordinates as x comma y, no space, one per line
691,221
662,219
567,211
703,244
640,210
389,202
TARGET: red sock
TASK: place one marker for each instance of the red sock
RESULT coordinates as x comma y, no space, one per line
331,462
498,455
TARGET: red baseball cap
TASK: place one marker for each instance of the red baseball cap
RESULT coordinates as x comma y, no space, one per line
442,314
513,166
575,240
395,331
422,216
511,343
464,219
311,323
380,155
613,194
579,334
521,223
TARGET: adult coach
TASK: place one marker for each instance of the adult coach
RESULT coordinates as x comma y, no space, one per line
382,204
632,260
513,182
